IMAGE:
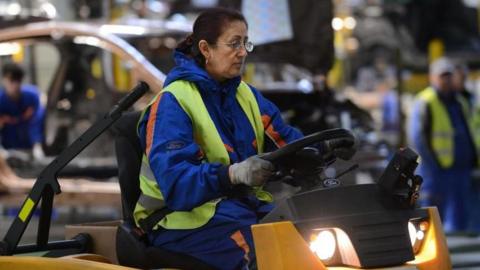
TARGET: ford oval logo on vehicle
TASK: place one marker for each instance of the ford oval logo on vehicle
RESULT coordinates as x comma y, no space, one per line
329,183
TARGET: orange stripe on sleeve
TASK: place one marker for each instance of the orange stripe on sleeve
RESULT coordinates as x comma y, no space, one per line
152,117
200,154
272,133
228,147
240,241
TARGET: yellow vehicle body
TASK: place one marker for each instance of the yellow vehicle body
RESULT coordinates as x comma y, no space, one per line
280,246
78,262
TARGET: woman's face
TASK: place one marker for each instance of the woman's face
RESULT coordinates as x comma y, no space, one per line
223,60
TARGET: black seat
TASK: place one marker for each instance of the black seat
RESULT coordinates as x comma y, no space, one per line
132,247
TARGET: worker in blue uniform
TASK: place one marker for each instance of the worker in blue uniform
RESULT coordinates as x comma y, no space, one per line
203,136
21,114
441,131
460,76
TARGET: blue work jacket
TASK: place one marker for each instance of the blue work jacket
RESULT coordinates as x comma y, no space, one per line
21,120
176,160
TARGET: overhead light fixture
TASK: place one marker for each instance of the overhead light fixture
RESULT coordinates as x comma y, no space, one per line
49,9
350,23
14,9
337,24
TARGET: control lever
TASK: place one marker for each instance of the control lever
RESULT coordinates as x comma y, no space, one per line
399,181
349,169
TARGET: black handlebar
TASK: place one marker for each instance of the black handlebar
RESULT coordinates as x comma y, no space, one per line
128,100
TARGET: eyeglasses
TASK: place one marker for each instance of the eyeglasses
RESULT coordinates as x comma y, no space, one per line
237,45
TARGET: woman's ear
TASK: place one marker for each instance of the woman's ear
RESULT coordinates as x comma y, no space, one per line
204,48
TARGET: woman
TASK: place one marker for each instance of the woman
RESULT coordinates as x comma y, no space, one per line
202,136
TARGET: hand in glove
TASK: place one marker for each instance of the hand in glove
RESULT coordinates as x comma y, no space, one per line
254,171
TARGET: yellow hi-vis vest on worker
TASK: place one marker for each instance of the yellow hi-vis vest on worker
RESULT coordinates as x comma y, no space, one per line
207,137
442,129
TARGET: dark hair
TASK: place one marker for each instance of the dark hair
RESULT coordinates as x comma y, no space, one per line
208,26
13,71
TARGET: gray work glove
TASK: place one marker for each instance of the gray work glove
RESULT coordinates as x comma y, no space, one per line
253,171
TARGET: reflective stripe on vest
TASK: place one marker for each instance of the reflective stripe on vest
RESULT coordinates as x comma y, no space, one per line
210,142
476,130
473,124
442,130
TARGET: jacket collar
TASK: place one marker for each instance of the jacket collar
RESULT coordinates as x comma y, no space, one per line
187,69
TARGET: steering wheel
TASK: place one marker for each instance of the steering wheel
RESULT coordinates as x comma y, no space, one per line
305,163
331,141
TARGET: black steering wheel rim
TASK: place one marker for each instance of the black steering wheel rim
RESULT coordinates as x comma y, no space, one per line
295,146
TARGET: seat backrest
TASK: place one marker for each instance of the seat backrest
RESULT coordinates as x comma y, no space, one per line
131,249
129,159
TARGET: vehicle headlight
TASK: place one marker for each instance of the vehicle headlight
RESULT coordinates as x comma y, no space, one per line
333,247
417,229
324,244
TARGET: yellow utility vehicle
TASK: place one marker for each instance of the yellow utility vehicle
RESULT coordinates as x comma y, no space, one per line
324,226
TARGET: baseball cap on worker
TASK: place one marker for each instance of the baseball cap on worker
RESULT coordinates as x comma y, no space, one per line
441,66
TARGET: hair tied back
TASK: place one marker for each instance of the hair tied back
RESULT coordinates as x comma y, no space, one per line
189,40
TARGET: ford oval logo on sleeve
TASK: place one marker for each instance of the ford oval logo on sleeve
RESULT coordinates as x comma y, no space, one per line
175,145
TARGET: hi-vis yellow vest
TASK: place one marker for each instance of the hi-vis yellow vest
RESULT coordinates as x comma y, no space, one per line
207,137
442,129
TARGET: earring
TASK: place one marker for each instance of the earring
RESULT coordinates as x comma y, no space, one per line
206,61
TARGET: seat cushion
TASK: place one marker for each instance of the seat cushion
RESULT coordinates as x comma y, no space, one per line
132,251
